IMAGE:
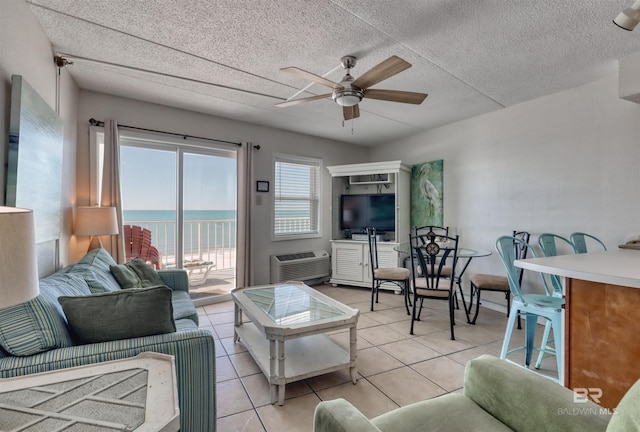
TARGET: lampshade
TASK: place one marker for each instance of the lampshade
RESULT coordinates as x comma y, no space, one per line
629,18
18,259
94,222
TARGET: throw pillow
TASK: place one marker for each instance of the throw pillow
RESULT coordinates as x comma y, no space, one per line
119,315
126,277
147,274
94,268
39,325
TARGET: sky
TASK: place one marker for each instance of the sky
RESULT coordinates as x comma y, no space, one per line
148,179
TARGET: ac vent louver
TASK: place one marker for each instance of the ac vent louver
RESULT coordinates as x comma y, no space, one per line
302,266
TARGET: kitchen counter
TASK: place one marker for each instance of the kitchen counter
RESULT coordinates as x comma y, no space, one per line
618,266
600,320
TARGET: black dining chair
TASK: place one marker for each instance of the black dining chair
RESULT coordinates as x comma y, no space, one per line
430,255
396,275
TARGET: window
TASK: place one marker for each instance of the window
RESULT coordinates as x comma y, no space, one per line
296,207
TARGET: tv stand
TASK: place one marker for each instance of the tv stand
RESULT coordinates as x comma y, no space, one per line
350,256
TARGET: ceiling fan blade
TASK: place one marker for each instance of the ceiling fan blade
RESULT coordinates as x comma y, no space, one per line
312,77
303,100
351,112
395,96
388,68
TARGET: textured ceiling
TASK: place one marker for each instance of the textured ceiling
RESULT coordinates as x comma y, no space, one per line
471,57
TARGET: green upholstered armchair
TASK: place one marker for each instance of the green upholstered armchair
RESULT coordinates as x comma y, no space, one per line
498,396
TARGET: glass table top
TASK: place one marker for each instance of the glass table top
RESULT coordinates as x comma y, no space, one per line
289,305
462,252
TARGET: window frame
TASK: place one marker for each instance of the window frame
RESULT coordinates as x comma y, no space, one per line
299,160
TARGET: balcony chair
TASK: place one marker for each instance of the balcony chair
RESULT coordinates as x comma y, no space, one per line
137,243
531,306
579,240
431,282
487,282
395,275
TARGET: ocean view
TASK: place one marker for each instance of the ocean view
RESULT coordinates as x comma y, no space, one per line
204,230
170,215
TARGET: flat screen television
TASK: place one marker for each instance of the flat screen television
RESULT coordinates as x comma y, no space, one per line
358,212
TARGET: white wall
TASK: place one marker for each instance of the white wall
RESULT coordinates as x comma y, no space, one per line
25,50
562,163
141,114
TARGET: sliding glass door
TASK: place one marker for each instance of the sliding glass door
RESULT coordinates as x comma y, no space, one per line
186,195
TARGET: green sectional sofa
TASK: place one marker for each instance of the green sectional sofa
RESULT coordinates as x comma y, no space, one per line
36,336
498,396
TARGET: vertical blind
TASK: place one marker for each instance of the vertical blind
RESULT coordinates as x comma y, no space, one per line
297,192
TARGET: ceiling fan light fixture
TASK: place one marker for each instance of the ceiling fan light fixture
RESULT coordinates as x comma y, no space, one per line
348,98
629,18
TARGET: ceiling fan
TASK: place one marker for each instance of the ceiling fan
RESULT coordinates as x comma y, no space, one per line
349,92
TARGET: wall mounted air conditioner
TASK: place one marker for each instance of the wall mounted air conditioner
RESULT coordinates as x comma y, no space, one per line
303,266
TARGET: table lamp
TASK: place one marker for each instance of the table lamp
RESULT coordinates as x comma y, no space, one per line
95,221
18,259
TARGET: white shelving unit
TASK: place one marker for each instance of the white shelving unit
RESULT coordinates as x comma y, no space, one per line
350,258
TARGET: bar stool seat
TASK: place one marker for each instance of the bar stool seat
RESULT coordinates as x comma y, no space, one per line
490,282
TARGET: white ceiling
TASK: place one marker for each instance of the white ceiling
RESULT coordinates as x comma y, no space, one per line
472,57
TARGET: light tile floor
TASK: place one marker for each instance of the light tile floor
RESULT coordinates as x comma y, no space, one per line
394,367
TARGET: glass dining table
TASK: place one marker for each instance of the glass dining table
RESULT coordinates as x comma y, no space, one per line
466,254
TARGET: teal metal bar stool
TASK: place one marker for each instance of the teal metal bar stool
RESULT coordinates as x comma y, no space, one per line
579,240
548,244
530,306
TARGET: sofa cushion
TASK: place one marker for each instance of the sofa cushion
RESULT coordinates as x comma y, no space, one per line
39,324
94,268
183,306
119,315
126,277
497,387
451,412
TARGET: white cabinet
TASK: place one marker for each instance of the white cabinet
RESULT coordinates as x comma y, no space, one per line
350,258
350,263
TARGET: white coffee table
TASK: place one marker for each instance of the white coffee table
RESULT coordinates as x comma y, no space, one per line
137,393
285,332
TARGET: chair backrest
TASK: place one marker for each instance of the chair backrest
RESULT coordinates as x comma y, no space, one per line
580,243
137,243
373,249
431,253
547,243
508,248
520,249
424,230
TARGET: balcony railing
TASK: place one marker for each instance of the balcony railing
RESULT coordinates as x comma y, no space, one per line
207,240
204,240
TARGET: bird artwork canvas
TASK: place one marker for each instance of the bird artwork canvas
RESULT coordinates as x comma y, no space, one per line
426,194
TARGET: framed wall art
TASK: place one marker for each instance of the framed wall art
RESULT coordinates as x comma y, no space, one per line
426,194
34,166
